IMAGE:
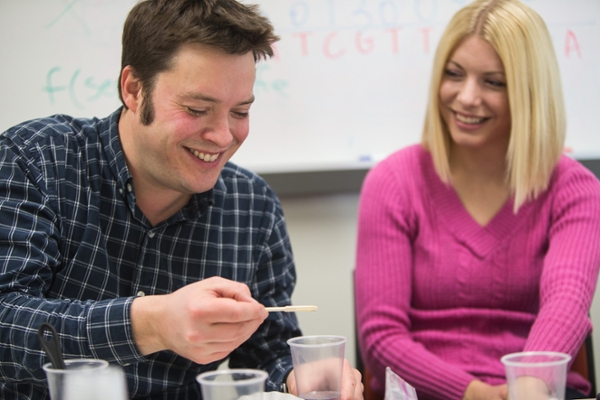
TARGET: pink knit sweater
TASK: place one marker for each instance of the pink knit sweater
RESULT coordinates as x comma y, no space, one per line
440,299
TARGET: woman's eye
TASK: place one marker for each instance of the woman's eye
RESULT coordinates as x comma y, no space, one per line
496,83
452,73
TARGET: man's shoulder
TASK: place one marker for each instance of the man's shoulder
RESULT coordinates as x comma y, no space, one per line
57,128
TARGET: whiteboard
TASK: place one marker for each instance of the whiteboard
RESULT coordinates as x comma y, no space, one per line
347,85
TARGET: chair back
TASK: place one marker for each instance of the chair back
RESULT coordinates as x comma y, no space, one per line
583,363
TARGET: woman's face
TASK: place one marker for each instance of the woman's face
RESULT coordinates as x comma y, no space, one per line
474,97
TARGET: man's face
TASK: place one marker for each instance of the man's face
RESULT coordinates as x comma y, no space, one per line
200,107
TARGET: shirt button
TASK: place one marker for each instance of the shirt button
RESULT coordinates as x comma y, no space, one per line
141,293
151,234
129,187
120,191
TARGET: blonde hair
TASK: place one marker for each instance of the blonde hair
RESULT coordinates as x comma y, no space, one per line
521,39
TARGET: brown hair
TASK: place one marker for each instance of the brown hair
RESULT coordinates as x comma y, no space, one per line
155,30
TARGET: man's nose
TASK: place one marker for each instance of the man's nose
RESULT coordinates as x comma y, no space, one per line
219,132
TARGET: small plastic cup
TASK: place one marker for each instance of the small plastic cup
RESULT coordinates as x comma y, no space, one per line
536,375
232,384
88,379
318,365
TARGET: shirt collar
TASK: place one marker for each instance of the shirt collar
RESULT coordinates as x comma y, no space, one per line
109,136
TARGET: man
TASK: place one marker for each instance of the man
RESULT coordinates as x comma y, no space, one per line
133,235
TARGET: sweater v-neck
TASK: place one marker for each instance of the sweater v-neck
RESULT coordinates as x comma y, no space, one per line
446,203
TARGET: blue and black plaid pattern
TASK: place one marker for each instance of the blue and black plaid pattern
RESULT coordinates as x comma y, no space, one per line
75,251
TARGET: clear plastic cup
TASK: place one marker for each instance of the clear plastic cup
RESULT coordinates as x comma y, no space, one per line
232,384
318,365
88,379
536,375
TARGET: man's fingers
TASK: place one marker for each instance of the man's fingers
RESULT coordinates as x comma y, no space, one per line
227,310
229,332
230,289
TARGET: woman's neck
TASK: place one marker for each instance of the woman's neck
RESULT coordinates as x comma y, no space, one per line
481,164
480,181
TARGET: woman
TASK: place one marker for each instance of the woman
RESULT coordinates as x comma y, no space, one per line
484,240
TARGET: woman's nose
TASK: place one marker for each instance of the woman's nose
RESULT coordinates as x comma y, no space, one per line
469,94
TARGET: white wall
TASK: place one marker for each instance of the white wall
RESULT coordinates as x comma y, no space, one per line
323,234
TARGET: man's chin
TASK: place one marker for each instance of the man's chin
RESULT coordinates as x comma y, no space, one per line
206,184
203,180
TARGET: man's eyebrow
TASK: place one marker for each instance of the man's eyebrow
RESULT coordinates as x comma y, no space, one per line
249,101
200,96
203,97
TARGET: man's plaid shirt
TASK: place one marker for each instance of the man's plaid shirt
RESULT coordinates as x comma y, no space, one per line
75,251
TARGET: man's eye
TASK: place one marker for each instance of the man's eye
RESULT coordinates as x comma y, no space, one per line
239,114
195,113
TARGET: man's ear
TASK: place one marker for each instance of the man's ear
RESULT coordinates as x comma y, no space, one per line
131,89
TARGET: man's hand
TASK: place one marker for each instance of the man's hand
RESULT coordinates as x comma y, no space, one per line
478,390
203,321
352,387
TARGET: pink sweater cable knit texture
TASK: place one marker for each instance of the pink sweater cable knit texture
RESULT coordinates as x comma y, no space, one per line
440,299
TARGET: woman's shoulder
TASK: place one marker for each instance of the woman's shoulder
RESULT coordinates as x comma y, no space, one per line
412,153
401,173
569,171
573,183
405,163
